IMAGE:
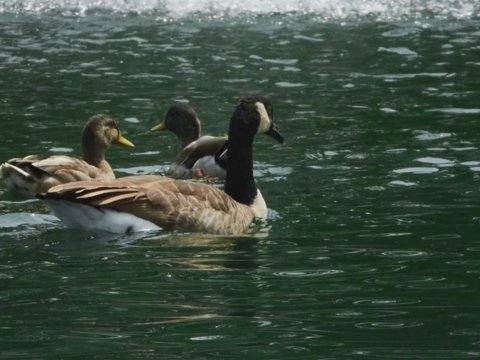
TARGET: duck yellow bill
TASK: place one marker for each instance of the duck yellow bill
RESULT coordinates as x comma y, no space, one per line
123,141
159,127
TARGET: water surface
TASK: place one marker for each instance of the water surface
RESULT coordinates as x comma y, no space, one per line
371,248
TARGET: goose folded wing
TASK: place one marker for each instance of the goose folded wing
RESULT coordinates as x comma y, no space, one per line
168,203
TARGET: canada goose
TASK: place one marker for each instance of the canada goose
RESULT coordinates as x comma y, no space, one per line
200,156
36,173
147,202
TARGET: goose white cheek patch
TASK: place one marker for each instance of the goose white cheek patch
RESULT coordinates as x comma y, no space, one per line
264,118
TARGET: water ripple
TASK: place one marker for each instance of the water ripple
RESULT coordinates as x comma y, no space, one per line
287,84
428,136
416,170
402,183
404,253
435,161
15,220
409,54
386,302
390,325
455,111
307,273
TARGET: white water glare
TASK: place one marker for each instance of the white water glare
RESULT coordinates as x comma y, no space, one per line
324,9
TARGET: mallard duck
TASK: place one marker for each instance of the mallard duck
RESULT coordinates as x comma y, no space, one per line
200,156
36,173
147,202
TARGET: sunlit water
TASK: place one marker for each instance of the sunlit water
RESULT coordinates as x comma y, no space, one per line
371,249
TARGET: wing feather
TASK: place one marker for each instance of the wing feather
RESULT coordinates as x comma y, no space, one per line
39,173
203,146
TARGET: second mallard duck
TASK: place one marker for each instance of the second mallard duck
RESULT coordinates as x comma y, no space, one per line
201,156
36,174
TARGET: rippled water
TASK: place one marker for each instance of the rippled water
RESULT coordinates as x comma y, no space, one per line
371,249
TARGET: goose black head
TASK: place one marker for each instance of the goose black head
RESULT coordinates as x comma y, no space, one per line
259,111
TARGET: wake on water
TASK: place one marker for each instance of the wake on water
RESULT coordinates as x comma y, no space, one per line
322,9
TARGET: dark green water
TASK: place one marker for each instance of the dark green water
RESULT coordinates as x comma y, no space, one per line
372,247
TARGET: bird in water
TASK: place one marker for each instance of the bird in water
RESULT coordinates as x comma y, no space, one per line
149,202
35,174
201,156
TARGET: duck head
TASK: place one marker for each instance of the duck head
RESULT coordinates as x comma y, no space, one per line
183,121
102,130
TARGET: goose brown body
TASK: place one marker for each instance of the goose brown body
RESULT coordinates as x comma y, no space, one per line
36,173
168,203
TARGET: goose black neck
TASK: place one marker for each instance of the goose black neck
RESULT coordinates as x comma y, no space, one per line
239,182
